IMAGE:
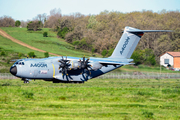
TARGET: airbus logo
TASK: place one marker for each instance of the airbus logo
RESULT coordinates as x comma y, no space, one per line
124,45
38,65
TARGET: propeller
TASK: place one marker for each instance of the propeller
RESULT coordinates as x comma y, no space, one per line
64,65
84,64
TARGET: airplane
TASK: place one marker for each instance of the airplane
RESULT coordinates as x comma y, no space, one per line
78,70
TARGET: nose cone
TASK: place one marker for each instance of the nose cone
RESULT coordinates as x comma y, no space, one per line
13,70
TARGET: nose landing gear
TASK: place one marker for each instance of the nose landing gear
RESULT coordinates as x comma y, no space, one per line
26,80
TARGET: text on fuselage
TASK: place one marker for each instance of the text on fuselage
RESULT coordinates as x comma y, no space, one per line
38,65
124,45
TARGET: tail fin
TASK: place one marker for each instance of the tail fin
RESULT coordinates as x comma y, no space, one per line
129,41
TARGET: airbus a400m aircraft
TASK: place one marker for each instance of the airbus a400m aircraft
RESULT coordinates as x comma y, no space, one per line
78,70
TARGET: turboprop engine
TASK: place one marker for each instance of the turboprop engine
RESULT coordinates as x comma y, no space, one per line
74,64
96,65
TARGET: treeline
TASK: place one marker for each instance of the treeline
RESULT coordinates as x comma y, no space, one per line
101,33
7,21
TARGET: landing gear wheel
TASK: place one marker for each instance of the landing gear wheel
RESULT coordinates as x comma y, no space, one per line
26,81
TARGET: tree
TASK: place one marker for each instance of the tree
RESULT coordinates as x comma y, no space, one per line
17,23
23,23
137,57
34,25
145,56
7,21
92,22
42,18
53,19
62,32
103,31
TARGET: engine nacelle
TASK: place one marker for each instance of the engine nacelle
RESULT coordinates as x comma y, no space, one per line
74,64
96,65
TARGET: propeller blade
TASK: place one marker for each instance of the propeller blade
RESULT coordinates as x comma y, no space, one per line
87,61
89,71
83,59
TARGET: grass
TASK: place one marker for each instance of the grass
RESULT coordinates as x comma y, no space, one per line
8,45
95,99
50,43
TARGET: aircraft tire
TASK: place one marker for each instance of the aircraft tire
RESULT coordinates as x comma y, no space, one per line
26,81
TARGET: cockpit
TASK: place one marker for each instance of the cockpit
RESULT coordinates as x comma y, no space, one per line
13,69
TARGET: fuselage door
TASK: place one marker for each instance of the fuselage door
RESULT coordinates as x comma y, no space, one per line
35,73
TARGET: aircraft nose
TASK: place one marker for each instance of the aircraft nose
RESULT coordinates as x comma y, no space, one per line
13,70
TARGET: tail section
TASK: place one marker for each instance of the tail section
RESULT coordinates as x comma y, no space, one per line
129,41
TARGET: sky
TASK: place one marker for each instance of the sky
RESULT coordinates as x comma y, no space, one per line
29,9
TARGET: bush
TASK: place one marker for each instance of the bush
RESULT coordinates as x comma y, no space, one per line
81,44
137,57
110,52
76,42
31,54
45,34
8,61
93,50
20,55
104,52
145,56
3,53
62,32
34,25
46,54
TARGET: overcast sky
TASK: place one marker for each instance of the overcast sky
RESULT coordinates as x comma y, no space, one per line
28,9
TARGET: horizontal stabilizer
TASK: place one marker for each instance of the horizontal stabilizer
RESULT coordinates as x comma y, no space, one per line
136,31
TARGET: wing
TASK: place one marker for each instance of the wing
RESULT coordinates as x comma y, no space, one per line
110,61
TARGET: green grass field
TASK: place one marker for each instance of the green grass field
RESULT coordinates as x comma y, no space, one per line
8,45
50,43
124,99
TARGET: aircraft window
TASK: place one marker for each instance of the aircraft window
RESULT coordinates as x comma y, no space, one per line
22,63
19,63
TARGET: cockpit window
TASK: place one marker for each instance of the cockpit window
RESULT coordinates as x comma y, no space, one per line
19,62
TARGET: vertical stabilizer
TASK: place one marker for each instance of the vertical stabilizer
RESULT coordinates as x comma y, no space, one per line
129,41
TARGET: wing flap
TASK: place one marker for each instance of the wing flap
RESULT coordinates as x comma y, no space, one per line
114,63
